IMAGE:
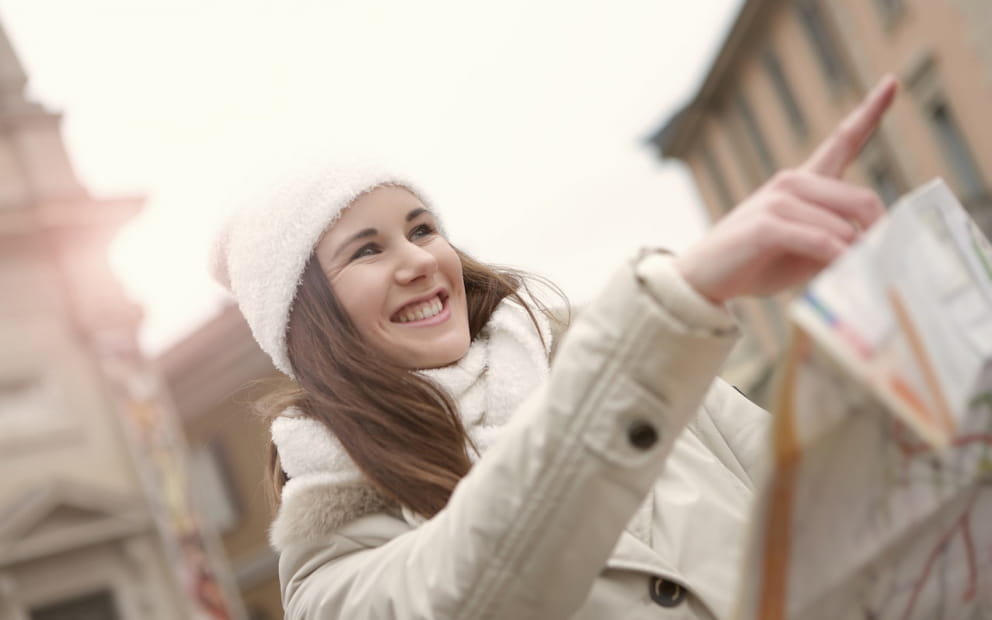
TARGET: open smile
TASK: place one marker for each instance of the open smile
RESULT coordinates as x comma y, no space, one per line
424,312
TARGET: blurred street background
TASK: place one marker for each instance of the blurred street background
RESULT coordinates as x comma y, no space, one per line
555,137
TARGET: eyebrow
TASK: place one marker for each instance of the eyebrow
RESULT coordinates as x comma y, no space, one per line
413,214
371,232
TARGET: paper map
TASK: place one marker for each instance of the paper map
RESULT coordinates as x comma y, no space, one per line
879,505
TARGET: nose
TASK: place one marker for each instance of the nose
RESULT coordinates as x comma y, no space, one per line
415,262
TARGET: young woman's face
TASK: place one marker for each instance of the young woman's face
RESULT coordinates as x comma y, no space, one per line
398,279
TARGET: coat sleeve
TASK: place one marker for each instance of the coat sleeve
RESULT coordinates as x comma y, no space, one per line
529,528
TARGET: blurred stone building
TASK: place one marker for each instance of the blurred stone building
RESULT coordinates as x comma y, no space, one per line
789,70
95,518
215,375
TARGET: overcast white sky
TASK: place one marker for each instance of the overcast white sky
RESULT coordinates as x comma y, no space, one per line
523,120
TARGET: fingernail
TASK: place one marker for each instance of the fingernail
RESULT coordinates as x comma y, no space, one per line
885,81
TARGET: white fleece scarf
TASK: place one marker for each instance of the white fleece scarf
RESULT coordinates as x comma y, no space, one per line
504,364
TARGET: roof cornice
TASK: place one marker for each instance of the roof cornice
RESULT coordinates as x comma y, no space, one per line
674,136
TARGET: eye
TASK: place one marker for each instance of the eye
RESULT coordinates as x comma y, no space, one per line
421,231
369,249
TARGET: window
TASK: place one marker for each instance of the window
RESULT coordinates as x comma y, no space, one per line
213,487
716,177
743,157
93,606
890,11
819,35
23,396
257,613
30,401
882,174
754,135
884,181
955,148
797,120
938,112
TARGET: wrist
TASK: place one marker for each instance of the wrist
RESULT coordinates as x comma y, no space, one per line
686,267
659,272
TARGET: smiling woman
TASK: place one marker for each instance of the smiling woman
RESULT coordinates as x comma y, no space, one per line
428,460
349,329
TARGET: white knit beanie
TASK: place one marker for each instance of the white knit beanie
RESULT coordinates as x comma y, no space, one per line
260,253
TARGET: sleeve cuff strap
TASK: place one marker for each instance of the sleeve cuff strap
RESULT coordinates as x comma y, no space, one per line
657,271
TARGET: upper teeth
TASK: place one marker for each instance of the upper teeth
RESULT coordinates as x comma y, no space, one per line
423,310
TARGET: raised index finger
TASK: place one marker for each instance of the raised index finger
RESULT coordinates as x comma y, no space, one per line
835,153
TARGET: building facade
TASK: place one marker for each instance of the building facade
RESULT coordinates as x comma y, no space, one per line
95,520
787,73
215,375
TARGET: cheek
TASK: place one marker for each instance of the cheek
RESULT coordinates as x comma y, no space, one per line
451,266
360,298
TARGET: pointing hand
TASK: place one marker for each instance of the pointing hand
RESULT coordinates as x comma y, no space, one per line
797,222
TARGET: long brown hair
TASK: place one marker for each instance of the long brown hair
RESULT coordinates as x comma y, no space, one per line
402,431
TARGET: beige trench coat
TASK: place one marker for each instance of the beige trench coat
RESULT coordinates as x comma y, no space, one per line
620,490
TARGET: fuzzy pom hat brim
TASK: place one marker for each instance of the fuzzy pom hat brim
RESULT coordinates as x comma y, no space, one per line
261,251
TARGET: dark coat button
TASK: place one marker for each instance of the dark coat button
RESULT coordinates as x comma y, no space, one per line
667,593
642,435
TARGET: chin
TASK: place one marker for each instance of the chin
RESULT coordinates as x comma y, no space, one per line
440,361
440,357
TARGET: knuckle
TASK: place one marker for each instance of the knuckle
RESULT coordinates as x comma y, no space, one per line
869,201
818,244
769,203
777,203
821,242
878,204
848,230
784,179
